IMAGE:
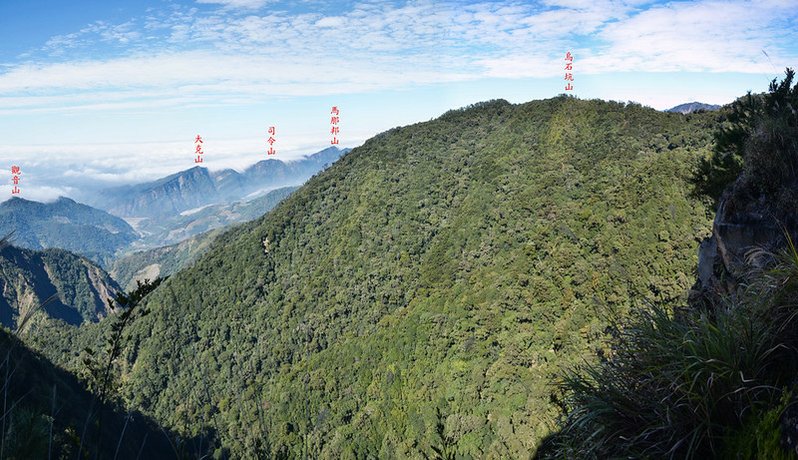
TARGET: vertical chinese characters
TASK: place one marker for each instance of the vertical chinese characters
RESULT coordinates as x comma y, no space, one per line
569,68
271,140
334,119
15,173
198,149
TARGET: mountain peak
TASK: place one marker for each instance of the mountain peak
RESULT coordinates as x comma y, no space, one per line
45,225
197,186
691,107
17,202
18,199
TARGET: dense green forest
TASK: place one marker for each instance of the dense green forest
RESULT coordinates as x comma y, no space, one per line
419,297
716,377
50,413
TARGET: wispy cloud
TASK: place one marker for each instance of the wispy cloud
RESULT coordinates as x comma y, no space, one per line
375,46
369,48
246,4
120,35
708,36
80,169
211,74
225,53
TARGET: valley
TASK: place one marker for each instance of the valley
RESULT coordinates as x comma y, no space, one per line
440,282
423,230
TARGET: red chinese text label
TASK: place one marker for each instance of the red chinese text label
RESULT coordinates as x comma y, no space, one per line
198,149
569,67
271,140
334,119
15,173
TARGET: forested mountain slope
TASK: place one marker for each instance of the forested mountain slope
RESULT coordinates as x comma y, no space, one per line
419,295
197,231
714,377
65,224
28,278
162,261
49,413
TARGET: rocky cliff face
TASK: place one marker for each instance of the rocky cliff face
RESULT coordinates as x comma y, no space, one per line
745,223
747,230
28,278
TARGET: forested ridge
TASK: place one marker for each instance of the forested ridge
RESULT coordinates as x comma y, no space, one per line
65,224
419,297
28,278
714,377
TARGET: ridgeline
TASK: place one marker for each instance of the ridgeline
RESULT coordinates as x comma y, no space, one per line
420,296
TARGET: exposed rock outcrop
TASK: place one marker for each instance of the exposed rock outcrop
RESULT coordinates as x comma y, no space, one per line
28,278
748,228
691,107
745,222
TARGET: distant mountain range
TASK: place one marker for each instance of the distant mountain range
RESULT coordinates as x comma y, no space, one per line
169,230
187,236
197,187
65,224
691,107
158,213
161,261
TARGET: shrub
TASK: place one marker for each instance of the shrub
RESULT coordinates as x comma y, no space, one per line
675,386
759,137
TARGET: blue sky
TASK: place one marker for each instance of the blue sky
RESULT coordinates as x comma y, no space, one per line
94,92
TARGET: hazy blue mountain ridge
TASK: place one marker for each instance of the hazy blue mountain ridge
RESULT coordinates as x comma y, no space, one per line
65,224
691,107
182,239
197,187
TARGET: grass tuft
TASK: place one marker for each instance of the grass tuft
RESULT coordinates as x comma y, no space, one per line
677,386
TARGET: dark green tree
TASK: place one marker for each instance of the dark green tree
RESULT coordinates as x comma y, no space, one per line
706,383
101,370
759,137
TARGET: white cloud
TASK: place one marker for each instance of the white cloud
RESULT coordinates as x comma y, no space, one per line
381,45
97,165
217,57
541,66
181,58
331,21
199,78
37,192
707,36
100,31
184,57
246,4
